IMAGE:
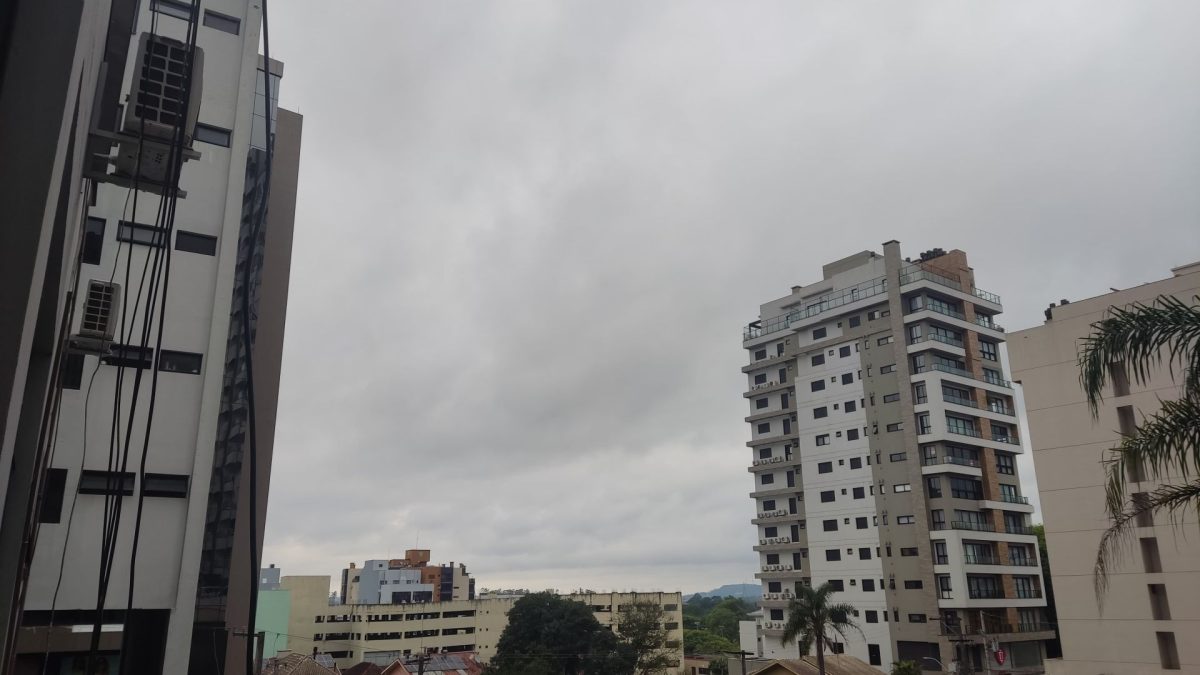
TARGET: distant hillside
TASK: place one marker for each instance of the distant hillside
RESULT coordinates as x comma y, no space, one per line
744,591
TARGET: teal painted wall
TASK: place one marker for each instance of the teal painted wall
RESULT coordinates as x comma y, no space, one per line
272,618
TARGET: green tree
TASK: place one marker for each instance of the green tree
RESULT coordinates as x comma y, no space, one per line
815,620
1165,447
641,628
718,665
906,668
699,641
549,635
724,617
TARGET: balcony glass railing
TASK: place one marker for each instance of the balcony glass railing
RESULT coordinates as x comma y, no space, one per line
1031,628
1001,409
986,593
959,400
986,322
938,338
1014,499
913,273
984,295
963,431
973,526
766,326
972,559
1006,438
961,461
1023,562
1018,529
947,311
1028,593
999,382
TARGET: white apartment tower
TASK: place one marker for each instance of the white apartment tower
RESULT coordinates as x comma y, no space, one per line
883,446
194,579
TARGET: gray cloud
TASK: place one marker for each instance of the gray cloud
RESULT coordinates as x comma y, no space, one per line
529,233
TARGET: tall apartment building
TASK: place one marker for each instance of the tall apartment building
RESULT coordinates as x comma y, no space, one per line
382,633
405,580
1151,612
883,446
193,586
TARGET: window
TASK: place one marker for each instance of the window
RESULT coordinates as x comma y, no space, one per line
93,241
851,406
818,333
824,467
136,233
988,350
904,520
818,385
833,554
72,375
767,479
762,403
908,552
52,495
891,398
222,22
192,242
965,488
770,531
843,352
179,362
871,615
1004,463
106,483
993,376
760,355
1160,609
884,370
818,413
764,453
179,10
855,462
864,553
912,584
818,359
855,321
916,618
886,340
873,656
823,439
895,426
1168,653
768,505
1151,560
852,435
898,456
830,525
859,493
902,487
165,485
777,615
128,356
1119,376
827,496
933,487
848,378
860,523
206,133
760,378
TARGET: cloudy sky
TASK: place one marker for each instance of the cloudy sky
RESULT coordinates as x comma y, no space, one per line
529,234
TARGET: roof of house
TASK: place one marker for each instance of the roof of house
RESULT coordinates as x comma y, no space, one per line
439,664
835,664
295,664
363,668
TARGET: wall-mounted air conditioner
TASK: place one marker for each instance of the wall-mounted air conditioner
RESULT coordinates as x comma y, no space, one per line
97,318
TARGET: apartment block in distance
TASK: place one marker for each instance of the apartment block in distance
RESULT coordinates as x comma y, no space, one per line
381,633
1151,613
193,585
404,580
883,447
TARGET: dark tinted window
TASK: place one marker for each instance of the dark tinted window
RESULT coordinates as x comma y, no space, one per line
827,496
136,233
72,376
222,22
130,356
824,467
818,333
844,351
165,485
214,135
93,241
818,359
195,243
106,482
52,495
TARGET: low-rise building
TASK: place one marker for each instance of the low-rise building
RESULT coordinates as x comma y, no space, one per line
405,580
383,633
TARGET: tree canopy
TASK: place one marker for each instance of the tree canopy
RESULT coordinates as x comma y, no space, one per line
550,635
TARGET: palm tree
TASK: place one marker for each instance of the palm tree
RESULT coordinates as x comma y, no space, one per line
813,618
1143,338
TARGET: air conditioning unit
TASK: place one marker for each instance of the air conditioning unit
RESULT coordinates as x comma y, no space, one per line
155,106
762,542
98,320
787,567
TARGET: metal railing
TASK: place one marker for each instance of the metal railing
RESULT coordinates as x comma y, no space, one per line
938,338
984,295
1022,562
952,313
964,431
948,459
963,373
1001,410
975,527
915,273
959,400
1009,439
764,327
986,593
986,322
1018,529
980,560
1014,499
1028,593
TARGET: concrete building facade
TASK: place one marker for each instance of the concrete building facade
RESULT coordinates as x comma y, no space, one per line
1151,613
408,579
193,584
883,440
382,633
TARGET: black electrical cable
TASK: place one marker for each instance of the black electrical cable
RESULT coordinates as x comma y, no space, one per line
247,346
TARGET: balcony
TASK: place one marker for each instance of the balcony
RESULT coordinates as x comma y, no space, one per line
1006,438
1018,529
986,593
1028,593
946,311
962,373
1014,499
948,459
939,338
964,431
974,527
1023,562
981,559
959,400
759,328
986,322
984,295
914,273
1001,409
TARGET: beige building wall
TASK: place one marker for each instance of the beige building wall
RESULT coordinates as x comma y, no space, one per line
1068,446
355,633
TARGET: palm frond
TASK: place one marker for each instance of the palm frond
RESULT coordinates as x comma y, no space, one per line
1166,442
1140,336
1115,540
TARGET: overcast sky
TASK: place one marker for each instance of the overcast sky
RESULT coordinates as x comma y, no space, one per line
529,233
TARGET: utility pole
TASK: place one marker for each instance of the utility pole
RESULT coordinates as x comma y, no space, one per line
743,654
422,659
260,639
